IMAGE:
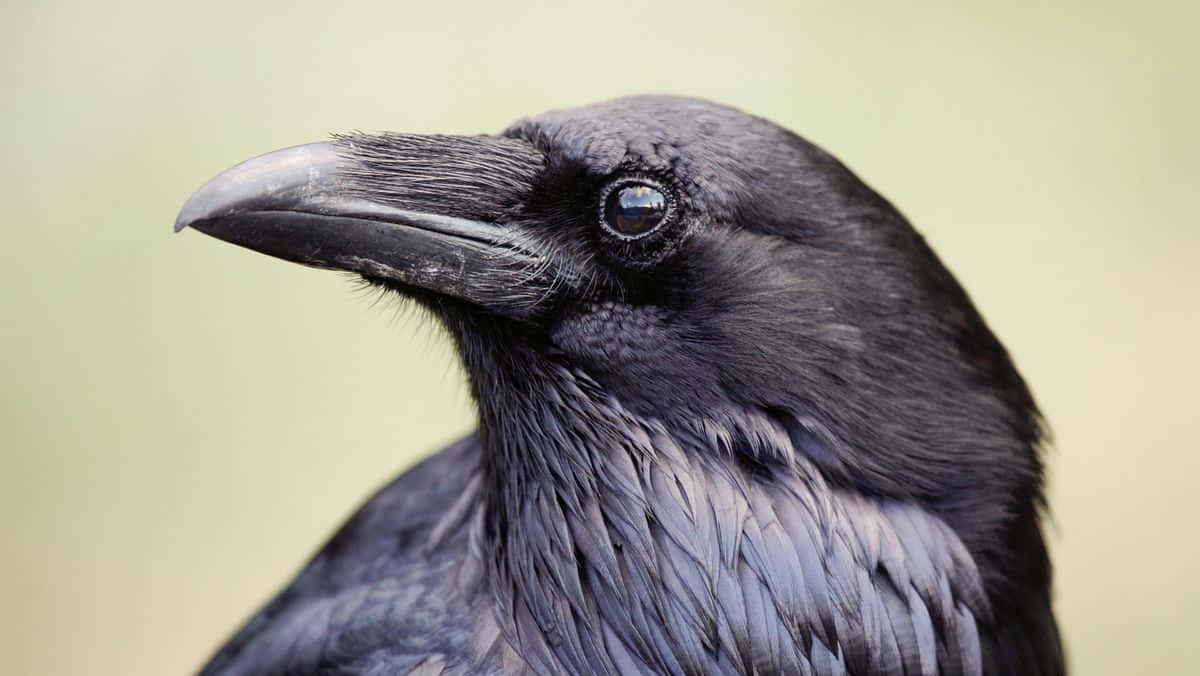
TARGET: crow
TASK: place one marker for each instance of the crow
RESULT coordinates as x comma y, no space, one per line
735,417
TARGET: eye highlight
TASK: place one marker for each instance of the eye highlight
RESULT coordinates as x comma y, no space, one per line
634,208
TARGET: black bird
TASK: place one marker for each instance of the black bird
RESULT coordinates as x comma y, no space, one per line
735,417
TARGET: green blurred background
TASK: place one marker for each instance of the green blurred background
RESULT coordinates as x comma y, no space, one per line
182,422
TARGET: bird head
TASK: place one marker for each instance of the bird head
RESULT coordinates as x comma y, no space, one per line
694,261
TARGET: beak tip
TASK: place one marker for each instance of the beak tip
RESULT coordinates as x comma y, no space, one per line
196,208
264,182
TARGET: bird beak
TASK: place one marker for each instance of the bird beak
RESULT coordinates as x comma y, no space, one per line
417,217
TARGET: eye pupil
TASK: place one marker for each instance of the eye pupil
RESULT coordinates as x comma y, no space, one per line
635,209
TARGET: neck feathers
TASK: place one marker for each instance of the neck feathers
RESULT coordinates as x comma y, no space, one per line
614,541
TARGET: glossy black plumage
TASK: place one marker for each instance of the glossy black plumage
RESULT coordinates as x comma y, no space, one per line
770,436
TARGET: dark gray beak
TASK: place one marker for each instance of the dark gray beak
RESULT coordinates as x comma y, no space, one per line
402,209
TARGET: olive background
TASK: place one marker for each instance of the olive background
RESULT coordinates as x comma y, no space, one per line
183,422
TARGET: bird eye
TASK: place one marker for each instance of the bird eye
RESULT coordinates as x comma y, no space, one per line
635,209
